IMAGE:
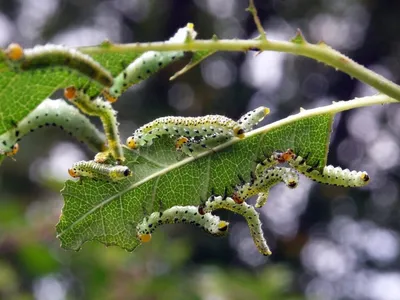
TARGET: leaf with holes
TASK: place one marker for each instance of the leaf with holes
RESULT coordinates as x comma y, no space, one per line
109,212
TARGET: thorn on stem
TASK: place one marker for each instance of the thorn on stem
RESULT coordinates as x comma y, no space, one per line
299,38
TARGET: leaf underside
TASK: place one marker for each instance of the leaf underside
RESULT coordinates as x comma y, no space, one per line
109,212
21,92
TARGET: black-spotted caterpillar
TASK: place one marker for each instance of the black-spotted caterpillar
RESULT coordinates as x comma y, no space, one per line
49,56
253,117
92,169
194,145
329,174
180,214
247,211
184,126
147,64
263,182
105,112
59,114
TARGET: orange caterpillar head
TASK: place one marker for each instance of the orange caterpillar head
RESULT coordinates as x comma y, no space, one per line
283,157
73,173
15,52
144,238
237,199
179,142
288,155
70,92
13,151
108,97
200,209
130,142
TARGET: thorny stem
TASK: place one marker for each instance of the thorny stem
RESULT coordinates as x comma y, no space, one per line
253,10
320,52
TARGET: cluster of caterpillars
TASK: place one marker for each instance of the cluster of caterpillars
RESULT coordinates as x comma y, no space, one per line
193,136
107,164
263,178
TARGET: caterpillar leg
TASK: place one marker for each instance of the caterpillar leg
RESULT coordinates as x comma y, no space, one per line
194,147
263,182
248,212
13,151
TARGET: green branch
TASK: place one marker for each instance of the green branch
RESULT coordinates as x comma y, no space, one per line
252,9
299,46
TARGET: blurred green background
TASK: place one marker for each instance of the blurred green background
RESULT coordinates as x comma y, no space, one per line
328,242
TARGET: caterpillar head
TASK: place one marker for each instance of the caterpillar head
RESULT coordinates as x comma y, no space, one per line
201,210
14,52
365,177
223,226
292,184
120,172
179,143
131,143
13,151
70,93
237,199
72,172
144,238
108,96
238,131
283,157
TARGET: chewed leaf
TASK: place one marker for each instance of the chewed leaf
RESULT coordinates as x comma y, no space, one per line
197,58
109,212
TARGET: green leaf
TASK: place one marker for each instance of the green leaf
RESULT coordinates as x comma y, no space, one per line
109,212
21,92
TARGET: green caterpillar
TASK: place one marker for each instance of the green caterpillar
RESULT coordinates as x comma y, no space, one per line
194,145
263,183
184,126
59,114
252,118
147,64
105,112
49,56
330,174
180,214
248,212
92,169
